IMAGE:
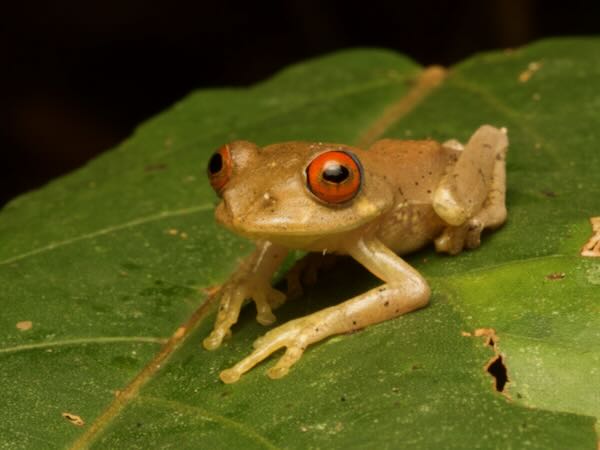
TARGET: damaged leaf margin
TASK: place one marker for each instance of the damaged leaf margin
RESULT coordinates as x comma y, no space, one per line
495,365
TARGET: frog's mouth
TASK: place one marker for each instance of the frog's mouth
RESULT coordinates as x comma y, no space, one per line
294,231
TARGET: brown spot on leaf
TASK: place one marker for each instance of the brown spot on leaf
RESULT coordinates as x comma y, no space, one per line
555,276
24,325
548,193
176,232
74,419
532,68
592,246
155,167
489,334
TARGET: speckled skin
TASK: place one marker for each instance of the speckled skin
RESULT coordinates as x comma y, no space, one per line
412,193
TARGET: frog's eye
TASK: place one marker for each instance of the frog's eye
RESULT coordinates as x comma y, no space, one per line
334,176
219,168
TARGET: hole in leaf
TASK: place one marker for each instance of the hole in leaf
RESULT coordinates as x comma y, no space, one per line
495,366
497,369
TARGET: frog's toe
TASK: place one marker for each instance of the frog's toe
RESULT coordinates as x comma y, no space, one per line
215,338
266,317
212,342
258,342
266,301
275,298
452,240
289,358
262,352
229,376
473,237
288,336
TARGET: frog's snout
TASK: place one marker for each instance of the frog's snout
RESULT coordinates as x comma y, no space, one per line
231,212
223,213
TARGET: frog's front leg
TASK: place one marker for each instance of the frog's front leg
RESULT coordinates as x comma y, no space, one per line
404,290
252,280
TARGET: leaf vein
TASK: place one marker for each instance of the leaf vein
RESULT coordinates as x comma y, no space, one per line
240,427
493,101
107,230
84,341
502,265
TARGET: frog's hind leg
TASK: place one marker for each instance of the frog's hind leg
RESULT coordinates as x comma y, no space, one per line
305,272
471,197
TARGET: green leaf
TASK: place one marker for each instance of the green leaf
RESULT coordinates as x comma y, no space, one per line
108,262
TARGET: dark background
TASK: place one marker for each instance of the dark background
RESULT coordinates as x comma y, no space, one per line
76,77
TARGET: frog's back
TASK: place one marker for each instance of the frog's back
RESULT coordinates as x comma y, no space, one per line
414,167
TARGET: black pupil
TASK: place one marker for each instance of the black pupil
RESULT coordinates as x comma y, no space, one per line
215,164
334,172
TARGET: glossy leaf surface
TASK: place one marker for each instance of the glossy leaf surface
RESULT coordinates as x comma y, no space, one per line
107,263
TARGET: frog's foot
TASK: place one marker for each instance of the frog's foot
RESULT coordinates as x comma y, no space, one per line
305,272
266,300
454,239
232,298
295,336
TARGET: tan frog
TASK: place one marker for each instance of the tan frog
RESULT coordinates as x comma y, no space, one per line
372,205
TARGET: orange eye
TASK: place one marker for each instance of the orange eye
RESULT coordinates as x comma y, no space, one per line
219,168
334,176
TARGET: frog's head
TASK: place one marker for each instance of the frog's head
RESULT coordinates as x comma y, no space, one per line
296,193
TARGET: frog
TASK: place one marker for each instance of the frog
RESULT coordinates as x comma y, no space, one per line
374,205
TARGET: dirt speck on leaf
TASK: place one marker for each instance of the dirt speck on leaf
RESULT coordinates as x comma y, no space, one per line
532,68
555,276
176,232
179,333
74,419
24,325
